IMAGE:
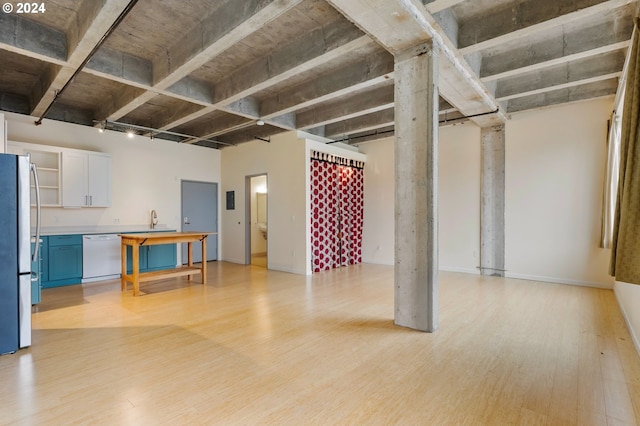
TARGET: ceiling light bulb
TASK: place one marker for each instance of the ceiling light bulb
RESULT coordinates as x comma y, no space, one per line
260,123
101,130
130,134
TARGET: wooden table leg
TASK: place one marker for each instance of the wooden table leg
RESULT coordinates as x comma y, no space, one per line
123,257
204,260
136,268
189,258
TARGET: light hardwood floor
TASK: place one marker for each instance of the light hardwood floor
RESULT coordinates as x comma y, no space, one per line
263,347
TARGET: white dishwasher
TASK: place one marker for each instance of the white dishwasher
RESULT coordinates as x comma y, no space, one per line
100,257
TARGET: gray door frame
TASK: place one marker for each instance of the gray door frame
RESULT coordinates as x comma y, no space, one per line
247,216
217,222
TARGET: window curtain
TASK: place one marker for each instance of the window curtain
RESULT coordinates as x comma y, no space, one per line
337,208
611,182
625,250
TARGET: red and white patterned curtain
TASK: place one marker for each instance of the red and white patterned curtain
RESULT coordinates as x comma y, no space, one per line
337,207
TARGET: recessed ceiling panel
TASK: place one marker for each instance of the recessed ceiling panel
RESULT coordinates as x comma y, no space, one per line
159,110
152,25
88,92
19,74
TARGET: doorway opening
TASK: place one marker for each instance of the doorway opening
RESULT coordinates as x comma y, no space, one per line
256,232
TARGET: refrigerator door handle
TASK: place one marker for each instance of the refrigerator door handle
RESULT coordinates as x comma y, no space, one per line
37,190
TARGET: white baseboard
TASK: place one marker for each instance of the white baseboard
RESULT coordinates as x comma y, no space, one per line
98,279
627,320
286,268
559,280
473,271
376,262
232,260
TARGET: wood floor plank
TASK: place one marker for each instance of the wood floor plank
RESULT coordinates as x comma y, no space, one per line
254,346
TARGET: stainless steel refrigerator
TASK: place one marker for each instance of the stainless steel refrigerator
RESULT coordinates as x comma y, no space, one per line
16,255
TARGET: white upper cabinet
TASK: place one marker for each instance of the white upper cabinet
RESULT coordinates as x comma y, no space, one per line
99,180
75,182
69,177
86,179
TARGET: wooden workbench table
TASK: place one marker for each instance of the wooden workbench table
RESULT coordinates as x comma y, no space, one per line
154,238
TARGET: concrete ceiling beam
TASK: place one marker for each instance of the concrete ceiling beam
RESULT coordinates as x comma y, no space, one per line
523,19
121,67
192,90
446,23
219,125
567,46
207,40
31,39
402,24
588,70
435,6
364,123
164,114
320,46
249,134
92,20
572,94
372,71
357,105
361,103
122,103
248,107
230,24
241,115
572,83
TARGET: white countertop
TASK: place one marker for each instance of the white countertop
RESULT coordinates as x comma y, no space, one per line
108,229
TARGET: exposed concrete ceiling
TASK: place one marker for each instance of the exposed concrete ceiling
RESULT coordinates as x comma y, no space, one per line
206,71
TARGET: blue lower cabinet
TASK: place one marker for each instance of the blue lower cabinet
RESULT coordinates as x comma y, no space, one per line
44,259
154,258
64,261
162,256
61,259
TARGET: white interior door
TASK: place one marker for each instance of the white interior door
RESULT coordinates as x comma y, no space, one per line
200,214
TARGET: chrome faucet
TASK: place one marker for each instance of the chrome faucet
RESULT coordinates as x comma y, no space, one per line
154,219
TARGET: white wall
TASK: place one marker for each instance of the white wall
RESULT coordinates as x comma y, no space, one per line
555,162
628,296
459,198
378,226
458,204
555,165
146,174
283,161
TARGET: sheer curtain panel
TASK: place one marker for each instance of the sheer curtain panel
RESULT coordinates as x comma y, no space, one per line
625,253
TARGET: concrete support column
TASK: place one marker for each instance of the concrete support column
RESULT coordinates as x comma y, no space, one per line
492,208
416,188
